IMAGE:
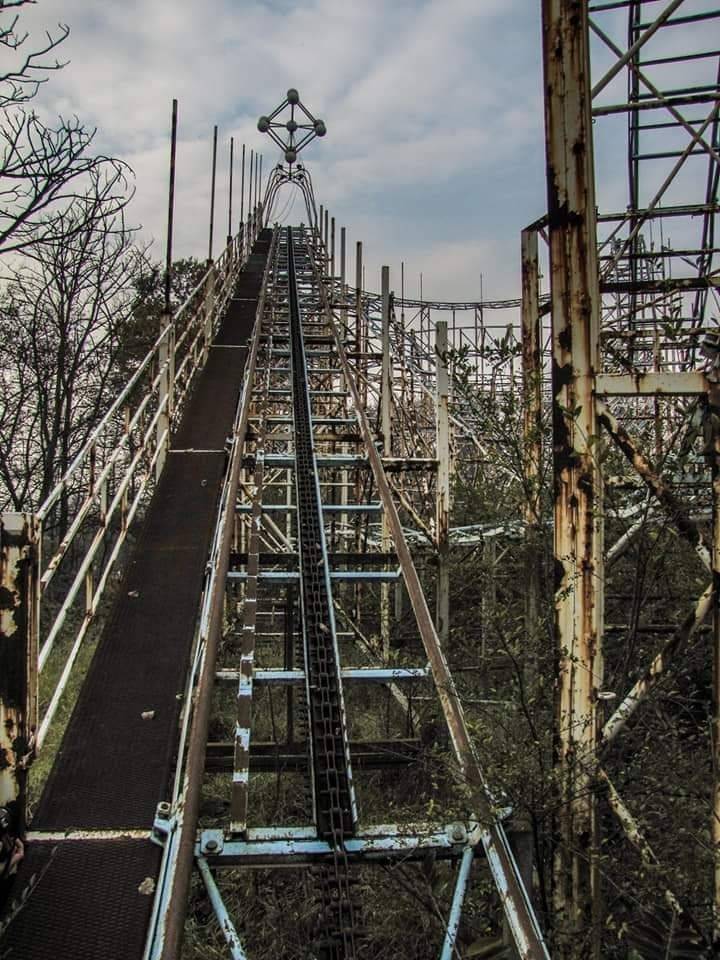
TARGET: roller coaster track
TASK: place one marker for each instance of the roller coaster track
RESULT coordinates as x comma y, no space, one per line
275,557
265,445
335,808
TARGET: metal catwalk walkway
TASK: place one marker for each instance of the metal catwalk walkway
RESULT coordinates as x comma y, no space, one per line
92,895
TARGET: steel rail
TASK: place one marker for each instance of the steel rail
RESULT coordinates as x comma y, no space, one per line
336,812
519,913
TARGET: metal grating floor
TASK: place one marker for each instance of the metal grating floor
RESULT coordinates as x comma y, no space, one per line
113,767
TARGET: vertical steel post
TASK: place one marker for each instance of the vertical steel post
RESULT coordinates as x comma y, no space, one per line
714,404
385,426
326,240
166,351
343,278
258,163
332,257
209,309
250,183
532,430
442,500
358,297
532,454
19,627
260,179
343,323
171,209
242,189
166,395
476,344
255,181
212,193
578,481
230,194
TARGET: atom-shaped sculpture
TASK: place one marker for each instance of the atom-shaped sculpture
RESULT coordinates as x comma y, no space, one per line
292,146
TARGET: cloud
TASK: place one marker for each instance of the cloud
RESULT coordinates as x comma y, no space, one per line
427,104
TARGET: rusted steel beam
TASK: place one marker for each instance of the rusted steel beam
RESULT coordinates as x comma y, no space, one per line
650,383
575,303
532,372
19,546
676,510
386,429
442,504
358,296
715,729
633,831
675,645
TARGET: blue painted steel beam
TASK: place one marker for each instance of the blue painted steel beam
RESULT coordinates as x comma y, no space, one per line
448,947
374,507
358,674
222,852
291,576
223,917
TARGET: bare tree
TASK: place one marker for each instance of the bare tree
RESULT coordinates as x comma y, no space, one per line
20,81
42,167
63,320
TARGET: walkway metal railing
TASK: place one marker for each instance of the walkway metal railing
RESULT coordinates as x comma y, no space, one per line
57,562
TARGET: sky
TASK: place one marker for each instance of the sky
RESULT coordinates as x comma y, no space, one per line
434,153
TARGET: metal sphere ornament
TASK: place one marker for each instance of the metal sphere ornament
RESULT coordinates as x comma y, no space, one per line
300,127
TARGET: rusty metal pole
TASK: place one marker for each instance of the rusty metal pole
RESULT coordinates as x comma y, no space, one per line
385,426
358,368
260,180
532,370
404,377
577,479
230,193
332,256
343,278
171,207
212,193
442,503
166,351
714,409
532,432
242,189
250,183
19,628
358,296
345,405
326,241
